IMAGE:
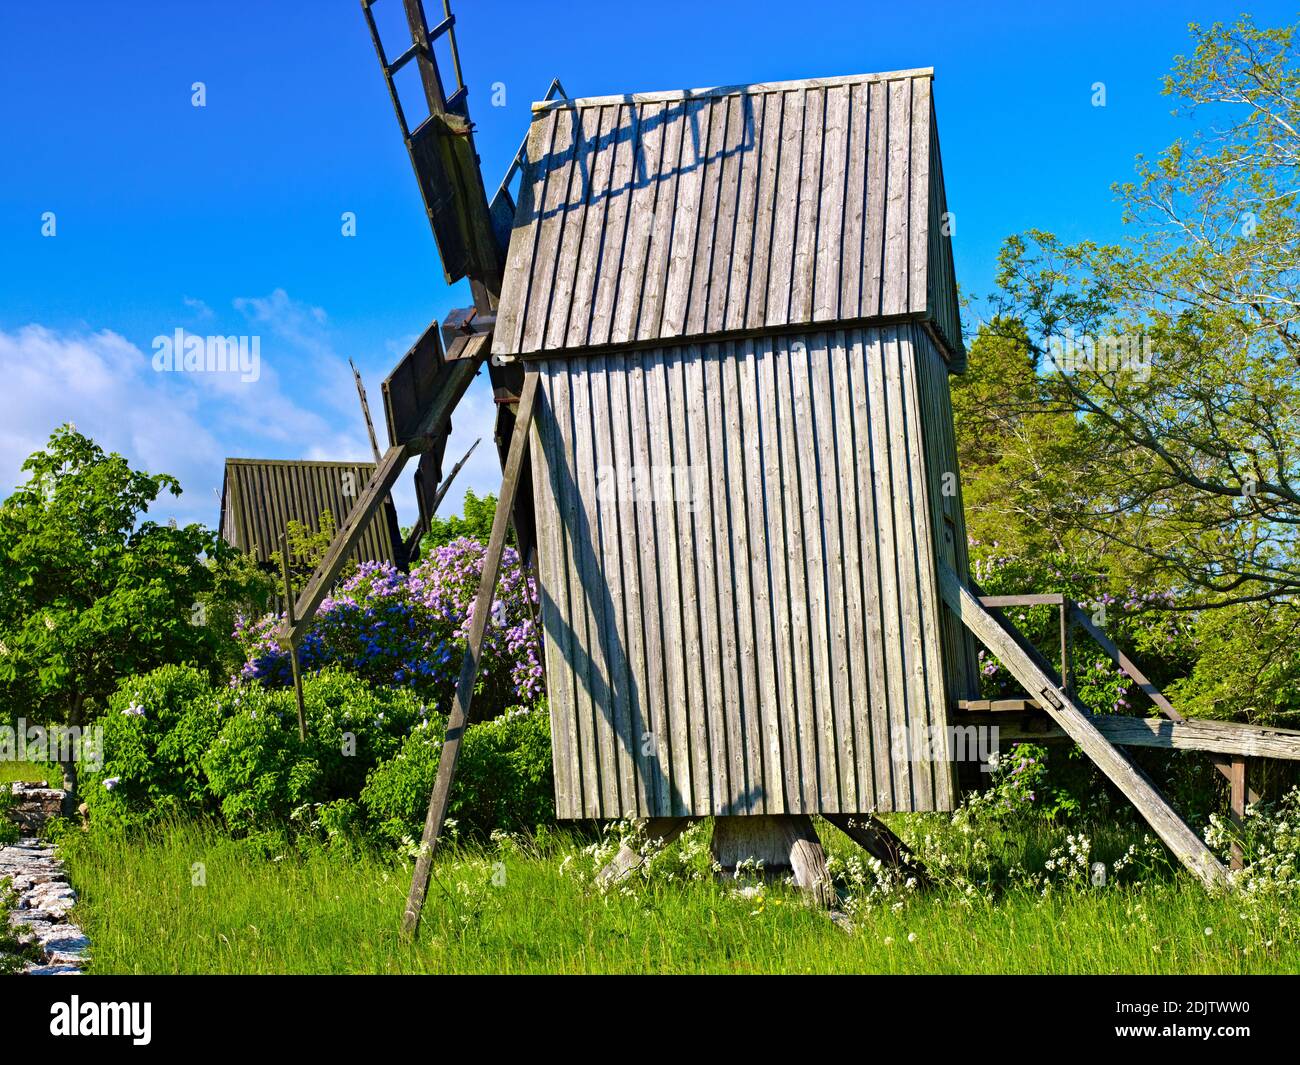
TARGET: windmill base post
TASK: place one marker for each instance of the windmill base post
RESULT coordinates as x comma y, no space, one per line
784,843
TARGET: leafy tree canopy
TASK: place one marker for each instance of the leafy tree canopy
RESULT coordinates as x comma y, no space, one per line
90,592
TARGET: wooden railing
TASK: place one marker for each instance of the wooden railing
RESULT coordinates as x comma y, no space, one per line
1228,744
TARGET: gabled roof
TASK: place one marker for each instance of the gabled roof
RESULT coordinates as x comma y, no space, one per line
261,496
687,215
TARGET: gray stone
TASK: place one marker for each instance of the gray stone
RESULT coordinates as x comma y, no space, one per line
40,914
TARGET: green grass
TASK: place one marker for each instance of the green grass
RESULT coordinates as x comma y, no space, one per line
27,772
327,914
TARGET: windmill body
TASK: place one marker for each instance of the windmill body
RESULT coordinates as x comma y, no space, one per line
740,306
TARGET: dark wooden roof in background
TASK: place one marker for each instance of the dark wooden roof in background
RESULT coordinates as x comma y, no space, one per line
261,496
669,216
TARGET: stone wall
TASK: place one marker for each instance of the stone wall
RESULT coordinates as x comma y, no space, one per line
43,896
34,806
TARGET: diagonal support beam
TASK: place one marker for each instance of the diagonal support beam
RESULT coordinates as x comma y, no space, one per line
1000,638
376,491
459,718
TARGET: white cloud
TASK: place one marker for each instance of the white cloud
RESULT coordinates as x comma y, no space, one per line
106,387
201,310
303,405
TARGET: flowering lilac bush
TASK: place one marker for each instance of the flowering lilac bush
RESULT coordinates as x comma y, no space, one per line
409,630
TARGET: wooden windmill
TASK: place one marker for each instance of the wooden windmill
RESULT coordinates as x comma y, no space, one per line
719,324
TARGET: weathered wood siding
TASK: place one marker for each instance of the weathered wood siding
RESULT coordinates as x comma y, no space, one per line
947,514
727,212
944,312
261,496
765,635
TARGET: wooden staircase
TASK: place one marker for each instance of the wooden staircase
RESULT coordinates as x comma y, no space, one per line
1053,694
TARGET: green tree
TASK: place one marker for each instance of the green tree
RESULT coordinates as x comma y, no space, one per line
1176,353
1178,348
89,592
475,523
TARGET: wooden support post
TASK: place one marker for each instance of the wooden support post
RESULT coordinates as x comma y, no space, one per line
1237,806
876,838
433,423
293,647
780,842
365,410
1000,639
628,858
423,522
459,717
1067,681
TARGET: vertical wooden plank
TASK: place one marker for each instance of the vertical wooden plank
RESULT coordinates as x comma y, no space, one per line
781,264
569,507
683,402
650,313
737,702
553,595
514,283
764,209
694,486
657,757
645,179
927,533
771,371
791,367
586,134
804,271
679,705
832,426
911,564
609,574
808,360
593,231
609,272
896,750
584,381
919,197
855,188
873,225
713,164
897,205
639,794
718,293
754,587
554,202
681,256
1237,805
831,212
846,386
744,223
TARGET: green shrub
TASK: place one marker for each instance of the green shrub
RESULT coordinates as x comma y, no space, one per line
260,772
155,730
174,746
503,779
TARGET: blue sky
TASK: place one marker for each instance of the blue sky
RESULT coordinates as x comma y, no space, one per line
226,219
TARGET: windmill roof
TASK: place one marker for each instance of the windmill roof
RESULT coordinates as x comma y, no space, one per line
651,218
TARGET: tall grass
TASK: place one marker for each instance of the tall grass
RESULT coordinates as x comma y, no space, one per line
187,899
29,772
